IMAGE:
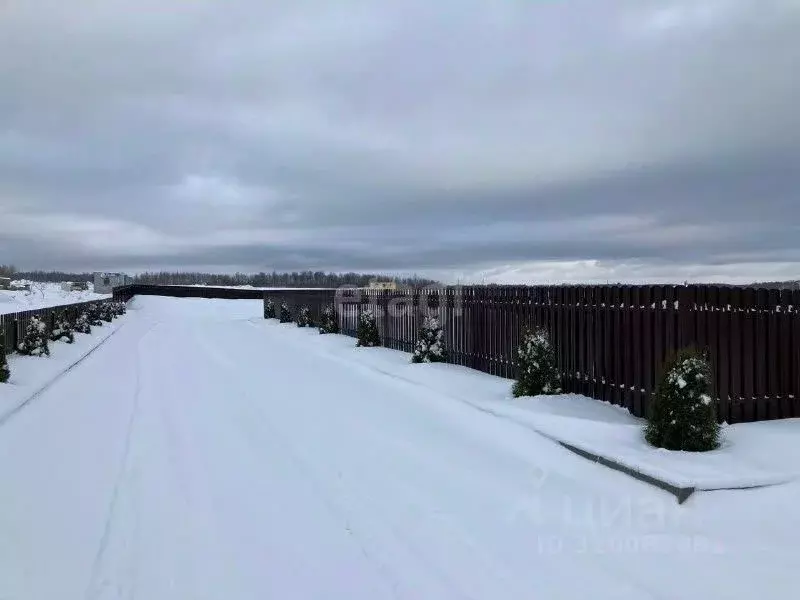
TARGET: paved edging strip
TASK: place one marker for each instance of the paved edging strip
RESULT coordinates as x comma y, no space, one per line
6,417
681,493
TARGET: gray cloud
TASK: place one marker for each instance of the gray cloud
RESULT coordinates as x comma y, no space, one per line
514,141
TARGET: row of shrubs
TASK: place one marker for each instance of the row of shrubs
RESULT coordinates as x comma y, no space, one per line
682,414
35,340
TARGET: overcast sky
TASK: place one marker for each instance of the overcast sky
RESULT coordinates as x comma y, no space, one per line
497,140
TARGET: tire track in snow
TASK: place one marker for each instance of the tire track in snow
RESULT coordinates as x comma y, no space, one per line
382,532
339,513
603,567
95,586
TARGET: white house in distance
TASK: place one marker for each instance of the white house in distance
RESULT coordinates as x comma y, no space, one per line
104,283
74,286
382,285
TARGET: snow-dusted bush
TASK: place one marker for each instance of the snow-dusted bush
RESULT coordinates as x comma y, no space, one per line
430,345
682,413
269,309
62,329
119,308
93,312
367,332
34,343
5,372
304,317
83,323
329,320
538,372
106,312
286,314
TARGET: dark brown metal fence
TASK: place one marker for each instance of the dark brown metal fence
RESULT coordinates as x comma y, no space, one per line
611,341
187,291
13,325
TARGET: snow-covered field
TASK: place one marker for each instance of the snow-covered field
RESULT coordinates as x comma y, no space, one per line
202,452
42,295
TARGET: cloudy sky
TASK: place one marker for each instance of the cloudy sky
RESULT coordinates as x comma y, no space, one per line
497,140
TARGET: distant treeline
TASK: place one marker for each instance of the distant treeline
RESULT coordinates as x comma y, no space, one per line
7,270
780,285
52,276
275,279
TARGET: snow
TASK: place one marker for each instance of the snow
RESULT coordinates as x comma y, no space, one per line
203,452
30,374
43,295
752,454
739,463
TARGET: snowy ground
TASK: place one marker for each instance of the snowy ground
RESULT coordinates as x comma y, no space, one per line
31,374
751,454
43,295
205,453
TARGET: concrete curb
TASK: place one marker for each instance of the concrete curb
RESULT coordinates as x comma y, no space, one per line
681,493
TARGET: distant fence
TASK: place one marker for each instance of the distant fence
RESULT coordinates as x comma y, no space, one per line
190,291
611,341
14,324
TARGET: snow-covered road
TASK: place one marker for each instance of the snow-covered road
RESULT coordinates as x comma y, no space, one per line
204,453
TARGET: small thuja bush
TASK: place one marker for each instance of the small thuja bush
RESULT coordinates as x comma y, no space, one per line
304,317
329,321
83,323
93,312
538,372
286,314
269,309
367,332
682,413
5,372
62,329
34,343
430,345
119,308
106,312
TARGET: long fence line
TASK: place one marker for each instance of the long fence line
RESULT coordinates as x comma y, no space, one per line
611,341
13,325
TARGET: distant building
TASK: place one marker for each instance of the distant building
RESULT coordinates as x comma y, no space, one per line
383,285
104,283
74,286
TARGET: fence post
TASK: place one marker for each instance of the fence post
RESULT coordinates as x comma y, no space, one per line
385,337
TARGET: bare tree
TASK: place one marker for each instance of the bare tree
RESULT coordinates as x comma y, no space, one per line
38,286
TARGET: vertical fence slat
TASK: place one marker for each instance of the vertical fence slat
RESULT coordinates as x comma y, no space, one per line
772,356
625,354
784,332
795,353
748,358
